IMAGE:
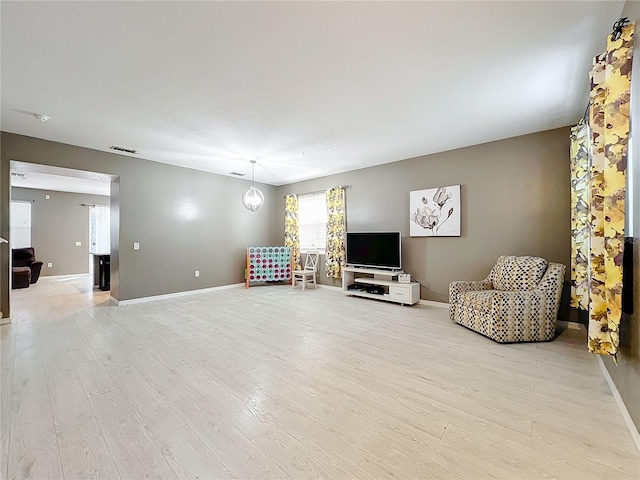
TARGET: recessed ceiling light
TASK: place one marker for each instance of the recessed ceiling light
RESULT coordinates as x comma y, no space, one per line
42,118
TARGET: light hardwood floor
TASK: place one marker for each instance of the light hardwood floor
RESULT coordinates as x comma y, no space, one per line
273,382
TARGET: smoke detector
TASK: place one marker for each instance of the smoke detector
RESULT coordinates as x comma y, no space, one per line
37,116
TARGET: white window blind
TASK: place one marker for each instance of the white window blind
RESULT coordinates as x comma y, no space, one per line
312,219
100,229
20,224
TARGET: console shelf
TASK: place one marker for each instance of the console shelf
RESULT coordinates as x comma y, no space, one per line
389,289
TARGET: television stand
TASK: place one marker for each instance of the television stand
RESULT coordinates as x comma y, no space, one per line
379,284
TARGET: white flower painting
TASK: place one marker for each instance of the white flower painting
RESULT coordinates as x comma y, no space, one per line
435,212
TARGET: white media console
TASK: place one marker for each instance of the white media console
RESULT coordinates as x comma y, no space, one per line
356,281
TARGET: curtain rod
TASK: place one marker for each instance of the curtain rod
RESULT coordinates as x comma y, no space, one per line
318,191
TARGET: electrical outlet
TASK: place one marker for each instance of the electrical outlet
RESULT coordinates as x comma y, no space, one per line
78,244
197,273
49,265
136,246
47,197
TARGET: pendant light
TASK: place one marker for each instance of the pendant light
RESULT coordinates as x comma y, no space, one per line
253,198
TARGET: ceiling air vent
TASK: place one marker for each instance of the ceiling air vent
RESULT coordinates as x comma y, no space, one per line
122,149
237,174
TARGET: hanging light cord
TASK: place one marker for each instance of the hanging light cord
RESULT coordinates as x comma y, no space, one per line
253,173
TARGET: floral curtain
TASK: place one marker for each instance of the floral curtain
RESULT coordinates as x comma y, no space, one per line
604,163
292,230
336,230
580,221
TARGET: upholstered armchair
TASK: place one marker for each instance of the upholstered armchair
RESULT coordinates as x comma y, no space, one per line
517,302
25,258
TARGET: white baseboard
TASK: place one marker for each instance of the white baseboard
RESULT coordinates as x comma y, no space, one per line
331,287
173,295
67,275
431,303
614,390
623,408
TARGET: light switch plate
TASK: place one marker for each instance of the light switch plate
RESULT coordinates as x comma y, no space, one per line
136,246
78,244
49,265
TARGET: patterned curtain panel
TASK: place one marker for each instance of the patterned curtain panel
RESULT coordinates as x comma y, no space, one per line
292,230
580,220
336,229
609,128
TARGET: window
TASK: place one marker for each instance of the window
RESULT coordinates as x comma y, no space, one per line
99,229
20,224
312,219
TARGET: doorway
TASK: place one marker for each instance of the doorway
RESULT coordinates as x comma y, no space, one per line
100,246
70,217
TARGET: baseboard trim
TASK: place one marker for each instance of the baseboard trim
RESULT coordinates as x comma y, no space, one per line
330,287
5,321
633,430
431,303
66,275
173,295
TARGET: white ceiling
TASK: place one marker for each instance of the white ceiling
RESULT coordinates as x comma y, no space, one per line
307,88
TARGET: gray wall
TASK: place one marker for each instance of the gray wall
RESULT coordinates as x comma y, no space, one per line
184,220
56,225
515,200
626,375
5,195
114,217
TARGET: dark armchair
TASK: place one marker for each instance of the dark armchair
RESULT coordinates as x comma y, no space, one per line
24,258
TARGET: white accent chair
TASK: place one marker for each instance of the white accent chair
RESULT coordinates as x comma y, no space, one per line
308,275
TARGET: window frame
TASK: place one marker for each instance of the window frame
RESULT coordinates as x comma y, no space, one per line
319,222
14,227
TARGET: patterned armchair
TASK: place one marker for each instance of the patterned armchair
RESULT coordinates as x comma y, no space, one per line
517,302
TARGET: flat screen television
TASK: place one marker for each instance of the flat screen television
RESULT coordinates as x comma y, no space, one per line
374,250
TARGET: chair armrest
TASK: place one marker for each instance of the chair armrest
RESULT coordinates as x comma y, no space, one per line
35,267
529,304
456,288
553,278
526,315
552,282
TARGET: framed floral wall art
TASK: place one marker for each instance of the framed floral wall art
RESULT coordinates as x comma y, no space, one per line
435,212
